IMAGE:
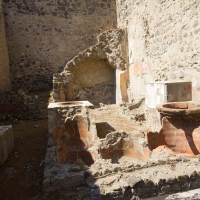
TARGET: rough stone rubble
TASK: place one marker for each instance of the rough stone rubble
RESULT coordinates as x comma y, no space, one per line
120,176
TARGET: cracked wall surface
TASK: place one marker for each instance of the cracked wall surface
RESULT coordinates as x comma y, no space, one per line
94,74
124,167
163,38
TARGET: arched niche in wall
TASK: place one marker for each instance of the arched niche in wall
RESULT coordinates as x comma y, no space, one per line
92,79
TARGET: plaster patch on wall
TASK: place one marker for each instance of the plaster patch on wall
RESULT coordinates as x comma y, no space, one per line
163,36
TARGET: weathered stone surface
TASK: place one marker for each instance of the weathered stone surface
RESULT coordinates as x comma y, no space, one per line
121,144
18,105
143,192
91,75
72,180
132,181
74,132
43,26
182,178
90,181
58,112
92,80
126,177
165,189
195,184
192,194
161,41
6,142
194,176
176,187
135,105
46,183
52,189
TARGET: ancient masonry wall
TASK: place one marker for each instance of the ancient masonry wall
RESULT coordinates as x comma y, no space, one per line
163,37
44,35
4,60
17,105
95,73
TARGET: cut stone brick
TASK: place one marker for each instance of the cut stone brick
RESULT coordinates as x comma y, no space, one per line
6,142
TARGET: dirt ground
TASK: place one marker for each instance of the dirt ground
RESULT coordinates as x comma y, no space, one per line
21,175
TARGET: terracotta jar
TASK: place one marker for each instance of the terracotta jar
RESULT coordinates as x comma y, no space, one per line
180,127
73,140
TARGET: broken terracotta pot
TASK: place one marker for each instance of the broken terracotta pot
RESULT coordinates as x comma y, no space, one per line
73,140
180,127
118,144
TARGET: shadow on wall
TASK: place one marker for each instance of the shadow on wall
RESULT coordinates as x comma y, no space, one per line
103,128
91,74
119,144
180,128
181,135
73,141
93,80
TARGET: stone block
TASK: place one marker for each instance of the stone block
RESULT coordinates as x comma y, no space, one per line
153,119
118,144
6,142
164,92
72,180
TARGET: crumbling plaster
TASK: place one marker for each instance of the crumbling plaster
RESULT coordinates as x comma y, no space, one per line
124,167
110,51
163,37
163,42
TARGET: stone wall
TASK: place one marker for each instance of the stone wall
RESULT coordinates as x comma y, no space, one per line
44,35
4,60
163,40
95,74
17,105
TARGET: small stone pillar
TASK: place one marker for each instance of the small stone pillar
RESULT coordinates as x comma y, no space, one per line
58,90
6,142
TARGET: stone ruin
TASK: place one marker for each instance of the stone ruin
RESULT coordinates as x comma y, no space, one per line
97,73
132,50
160,156
148,161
